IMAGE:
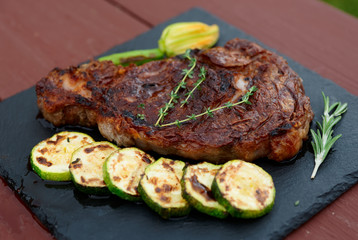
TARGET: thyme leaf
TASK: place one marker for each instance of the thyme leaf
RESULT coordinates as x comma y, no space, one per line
141,105
141,116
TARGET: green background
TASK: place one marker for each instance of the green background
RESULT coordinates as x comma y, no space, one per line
349,6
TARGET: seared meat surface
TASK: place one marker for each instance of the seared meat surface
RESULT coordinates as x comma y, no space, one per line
124,103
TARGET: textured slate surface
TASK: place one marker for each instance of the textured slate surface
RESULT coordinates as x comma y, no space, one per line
69,214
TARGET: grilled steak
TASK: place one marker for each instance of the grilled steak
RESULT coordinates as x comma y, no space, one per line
124,103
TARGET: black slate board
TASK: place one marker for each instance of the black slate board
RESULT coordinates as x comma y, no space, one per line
69,214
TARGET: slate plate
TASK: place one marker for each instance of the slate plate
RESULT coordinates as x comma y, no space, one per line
69,214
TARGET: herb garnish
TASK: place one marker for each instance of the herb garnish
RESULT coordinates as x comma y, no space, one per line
323,140
210,112
141,116
187,72
202,77
141,105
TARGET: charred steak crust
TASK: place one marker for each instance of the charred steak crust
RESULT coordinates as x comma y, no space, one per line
100,93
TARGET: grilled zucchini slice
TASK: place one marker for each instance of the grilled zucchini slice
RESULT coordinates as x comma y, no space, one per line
86,167
196,184
123,170
161,190
244,189
51,157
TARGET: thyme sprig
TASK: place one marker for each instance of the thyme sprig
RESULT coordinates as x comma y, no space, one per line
202,77
323,140
210,112
188,73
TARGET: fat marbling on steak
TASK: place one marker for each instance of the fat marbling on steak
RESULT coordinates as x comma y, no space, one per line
111,97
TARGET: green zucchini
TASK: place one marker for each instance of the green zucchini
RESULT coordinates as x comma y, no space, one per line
161,190
51,157
123,170
196,184
244,189
86,167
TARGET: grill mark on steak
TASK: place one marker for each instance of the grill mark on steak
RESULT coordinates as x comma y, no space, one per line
107,95
281,130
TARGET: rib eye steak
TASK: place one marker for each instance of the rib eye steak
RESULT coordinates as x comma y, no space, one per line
124,103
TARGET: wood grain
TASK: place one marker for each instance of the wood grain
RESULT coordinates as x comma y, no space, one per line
16,221
37,36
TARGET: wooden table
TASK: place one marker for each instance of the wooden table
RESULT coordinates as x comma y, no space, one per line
36,36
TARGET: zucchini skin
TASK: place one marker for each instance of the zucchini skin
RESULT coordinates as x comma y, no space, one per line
236,212
124,163
219,197
215,212
99,191
91,190
56,176
113,189
164,212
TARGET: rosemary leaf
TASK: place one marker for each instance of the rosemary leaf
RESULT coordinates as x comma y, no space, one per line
322,140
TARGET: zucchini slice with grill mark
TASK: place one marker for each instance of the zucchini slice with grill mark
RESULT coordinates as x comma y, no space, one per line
51,157
161,190
244,189
123,170
196,184
86,167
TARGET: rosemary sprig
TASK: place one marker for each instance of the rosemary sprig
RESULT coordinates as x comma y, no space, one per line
188,72
202,77
210,112
323,140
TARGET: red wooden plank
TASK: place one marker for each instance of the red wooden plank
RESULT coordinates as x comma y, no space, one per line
36,36
16,221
